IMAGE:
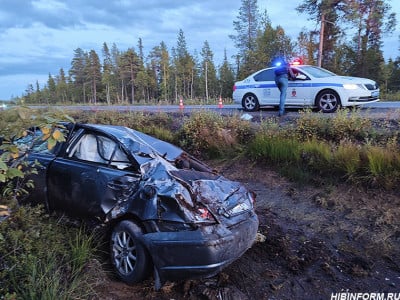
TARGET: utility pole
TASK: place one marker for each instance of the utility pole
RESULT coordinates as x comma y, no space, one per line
321,39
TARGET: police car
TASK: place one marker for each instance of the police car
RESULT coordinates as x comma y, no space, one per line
312,87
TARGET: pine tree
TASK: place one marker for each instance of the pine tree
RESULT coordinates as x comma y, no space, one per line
61,86
129,68
208,74
93,74
226,78
246,27
77,73
107,74
185,69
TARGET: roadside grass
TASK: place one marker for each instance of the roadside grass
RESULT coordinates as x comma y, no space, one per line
42,259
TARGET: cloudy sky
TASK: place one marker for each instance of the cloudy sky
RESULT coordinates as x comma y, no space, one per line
38,37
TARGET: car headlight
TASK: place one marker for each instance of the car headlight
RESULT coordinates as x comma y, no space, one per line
242,207
351,86
238,209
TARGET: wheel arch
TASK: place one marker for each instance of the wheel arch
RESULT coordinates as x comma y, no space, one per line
126,217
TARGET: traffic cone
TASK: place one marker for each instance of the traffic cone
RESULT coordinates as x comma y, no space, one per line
181,103
220,103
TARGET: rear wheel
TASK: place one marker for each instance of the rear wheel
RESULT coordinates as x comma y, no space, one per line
128,256
250,103
327,101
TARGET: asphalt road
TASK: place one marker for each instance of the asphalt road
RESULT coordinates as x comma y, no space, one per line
377,109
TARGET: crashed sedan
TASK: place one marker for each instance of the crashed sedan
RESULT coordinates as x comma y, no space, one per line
167,212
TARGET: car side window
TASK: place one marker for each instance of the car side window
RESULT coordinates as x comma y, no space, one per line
299,75
266,75
100,149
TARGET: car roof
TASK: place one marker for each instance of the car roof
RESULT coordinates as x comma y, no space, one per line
136,141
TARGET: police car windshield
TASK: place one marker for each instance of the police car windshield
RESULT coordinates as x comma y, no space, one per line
317,72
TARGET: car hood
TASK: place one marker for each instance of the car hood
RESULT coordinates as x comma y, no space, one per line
193,188
344,80
219,194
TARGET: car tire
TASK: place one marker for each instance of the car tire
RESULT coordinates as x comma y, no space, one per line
327,101
250,102
129,257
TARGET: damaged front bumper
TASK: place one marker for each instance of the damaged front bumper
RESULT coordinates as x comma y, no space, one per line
199,254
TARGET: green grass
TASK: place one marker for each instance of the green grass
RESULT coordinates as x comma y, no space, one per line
41,259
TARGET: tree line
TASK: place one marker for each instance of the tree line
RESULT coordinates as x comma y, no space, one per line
348,42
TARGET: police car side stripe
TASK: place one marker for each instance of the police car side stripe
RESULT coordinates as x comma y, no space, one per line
256,86
273,85
328,84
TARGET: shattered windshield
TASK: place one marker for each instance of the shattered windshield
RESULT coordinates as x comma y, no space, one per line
141,143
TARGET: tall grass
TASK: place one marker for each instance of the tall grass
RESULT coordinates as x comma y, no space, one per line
382,166
278,150
347,159
40,259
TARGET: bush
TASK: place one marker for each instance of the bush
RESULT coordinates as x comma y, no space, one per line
210,135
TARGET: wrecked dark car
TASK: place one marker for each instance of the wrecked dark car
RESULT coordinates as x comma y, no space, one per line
168,213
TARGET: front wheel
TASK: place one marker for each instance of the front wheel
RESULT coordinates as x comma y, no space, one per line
327,101
128,256
250,103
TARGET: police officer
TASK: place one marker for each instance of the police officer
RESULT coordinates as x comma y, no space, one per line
282,74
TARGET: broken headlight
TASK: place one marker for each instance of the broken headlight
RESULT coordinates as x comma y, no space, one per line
203,215
241,207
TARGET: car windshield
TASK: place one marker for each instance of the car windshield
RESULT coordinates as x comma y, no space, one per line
317,72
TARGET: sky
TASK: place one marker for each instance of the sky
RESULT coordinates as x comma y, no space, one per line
38,37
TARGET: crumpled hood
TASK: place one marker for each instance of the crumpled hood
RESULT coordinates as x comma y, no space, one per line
214,191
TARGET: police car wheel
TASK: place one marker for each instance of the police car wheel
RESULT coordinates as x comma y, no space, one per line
250,103
327,101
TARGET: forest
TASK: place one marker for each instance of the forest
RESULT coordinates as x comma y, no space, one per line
347,42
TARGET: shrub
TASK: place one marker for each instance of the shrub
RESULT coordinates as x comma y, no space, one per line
206,134
348,126
311,125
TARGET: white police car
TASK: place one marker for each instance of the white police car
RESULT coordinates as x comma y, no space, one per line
313,86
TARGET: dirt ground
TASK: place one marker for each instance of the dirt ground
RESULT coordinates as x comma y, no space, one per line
314,241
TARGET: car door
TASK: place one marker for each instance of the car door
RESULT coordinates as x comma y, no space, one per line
268,92
38,157
92,177
299,90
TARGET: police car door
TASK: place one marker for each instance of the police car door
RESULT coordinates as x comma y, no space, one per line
268,93
299,90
